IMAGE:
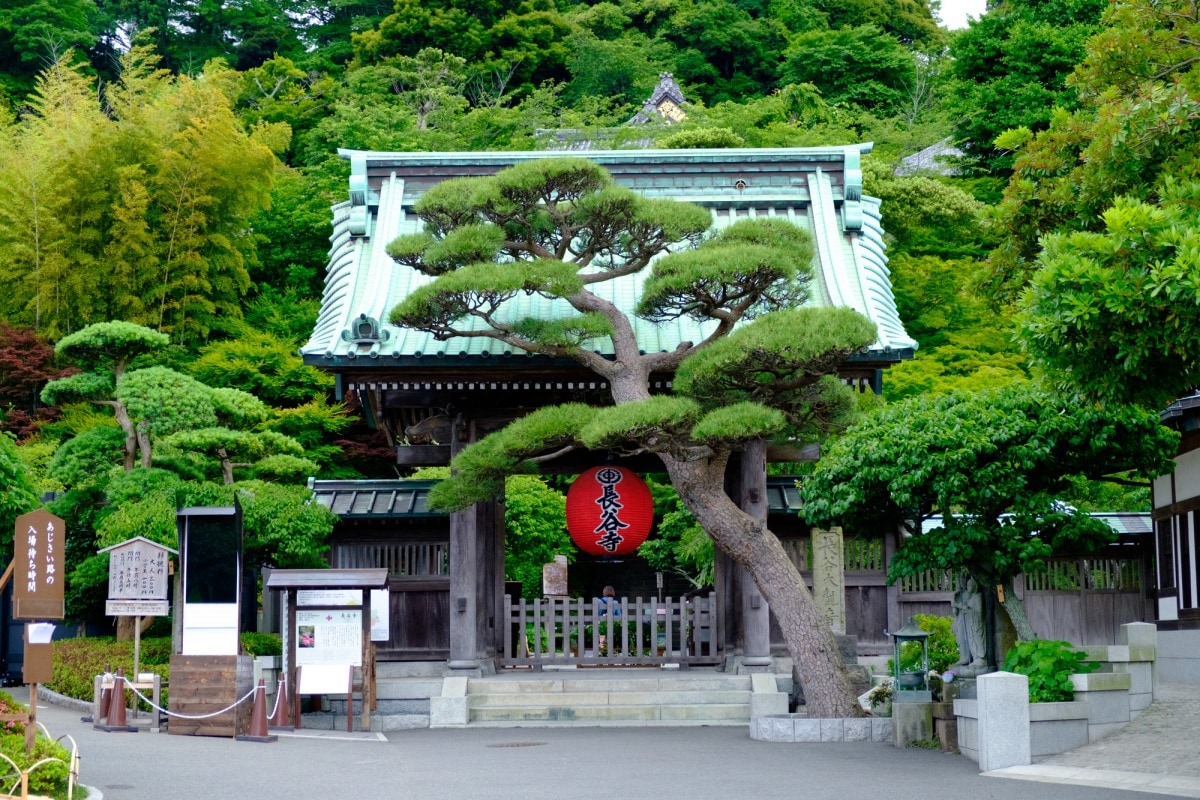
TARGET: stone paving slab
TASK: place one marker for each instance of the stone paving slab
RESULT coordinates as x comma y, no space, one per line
1162,739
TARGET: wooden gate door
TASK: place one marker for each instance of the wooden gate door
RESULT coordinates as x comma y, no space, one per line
418,593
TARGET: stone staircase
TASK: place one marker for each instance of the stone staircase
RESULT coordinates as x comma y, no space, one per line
562,698
609,697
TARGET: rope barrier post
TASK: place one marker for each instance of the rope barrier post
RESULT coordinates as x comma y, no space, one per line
115,718
258,718
279,717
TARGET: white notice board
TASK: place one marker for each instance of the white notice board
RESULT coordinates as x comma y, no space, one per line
325,679
331,636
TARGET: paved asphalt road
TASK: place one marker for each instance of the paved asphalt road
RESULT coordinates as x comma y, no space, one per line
530,764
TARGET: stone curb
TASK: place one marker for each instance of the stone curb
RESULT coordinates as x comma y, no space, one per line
799,728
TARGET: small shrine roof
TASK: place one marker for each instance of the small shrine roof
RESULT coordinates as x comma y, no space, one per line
327,579
818,189
377,499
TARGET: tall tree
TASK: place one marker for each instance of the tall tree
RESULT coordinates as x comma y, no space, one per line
1011,67
993,467
17,494
562,229
139,213
26,366
35,33
105,350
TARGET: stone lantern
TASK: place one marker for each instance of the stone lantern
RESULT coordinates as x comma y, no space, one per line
911,684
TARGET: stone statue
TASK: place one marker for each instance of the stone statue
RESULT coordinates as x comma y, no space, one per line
968,624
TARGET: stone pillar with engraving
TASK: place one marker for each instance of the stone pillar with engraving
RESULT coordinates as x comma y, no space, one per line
829,577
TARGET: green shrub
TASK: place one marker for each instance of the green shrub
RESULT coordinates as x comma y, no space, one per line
50,779
78,661
943,647
1048,664
262,644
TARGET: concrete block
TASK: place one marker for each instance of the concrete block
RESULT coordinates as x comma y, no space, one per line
1058,736
449,712
808,730
1003,720
778,729
1057,727
1106,707
454,687
1138,633
1052,712
857,730
1139,703
1101,682
911,722
1141,676
832,731
762,705
881,730
764,682
1141,652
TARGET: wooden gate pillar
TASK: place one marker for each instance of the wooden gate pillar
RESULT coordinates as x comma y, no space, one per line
756,614
464,575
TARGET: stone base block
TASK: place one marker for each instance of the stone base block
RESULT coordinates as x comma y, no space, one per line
911,722
448,712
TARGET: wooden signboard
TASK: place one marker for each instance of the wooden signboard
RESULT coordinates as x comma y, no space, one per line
38,560
138,569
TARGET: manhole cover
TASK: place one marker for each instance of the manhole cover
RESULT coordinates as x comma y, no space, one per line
517,744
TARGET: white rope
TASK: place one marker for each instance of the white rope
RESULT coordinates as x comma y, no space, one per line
278,694
150,703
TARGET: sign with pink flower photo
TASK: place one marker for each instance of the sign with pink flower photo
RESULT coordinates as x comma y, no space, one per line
329,636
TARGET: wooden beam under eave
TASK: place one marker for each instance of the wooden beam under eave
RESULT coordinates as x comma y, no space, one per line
790,454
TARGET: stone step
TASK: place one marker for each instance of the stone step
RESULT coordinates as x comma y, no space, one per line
711,714
632,698
553,685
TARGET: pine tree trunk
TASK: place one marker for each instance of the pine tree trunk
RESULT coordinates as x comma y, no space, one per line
826,681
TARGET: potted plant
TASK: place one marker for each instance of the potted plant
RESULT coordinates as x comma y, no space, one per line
880,698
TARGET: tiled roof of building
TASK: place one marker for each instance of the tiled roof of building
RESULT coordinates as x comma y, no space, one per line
406,498
819,189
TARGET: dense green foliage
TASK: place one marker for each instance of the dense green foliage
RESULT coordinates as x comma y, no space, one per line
992,468
1049,665
164,217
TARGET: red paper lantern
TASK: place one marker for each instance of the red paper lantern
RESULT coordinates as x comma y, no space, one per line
609,511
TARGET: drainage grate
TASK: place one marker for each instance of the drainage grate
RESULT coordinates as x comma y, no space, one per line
517,744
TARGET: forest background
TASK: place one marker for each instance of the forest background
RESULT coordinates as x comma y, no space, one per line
172,165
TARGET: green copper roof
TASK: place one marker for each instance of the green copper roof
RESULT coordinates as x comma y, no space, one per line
819,189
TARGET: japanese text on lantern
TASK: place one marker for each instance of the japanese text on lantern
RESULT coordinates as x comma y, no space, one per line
611,525
38,585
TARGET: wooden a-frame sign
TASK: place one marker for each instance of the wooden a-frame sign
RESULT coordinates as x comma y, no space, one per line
38,566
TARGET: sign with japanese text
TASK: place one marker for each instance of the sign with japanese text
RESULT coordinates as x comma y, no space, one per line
332,636
38,566
138,569
136,608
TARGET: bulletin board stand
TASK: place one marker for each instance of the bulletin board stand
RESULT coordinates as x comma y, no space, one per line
333,673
